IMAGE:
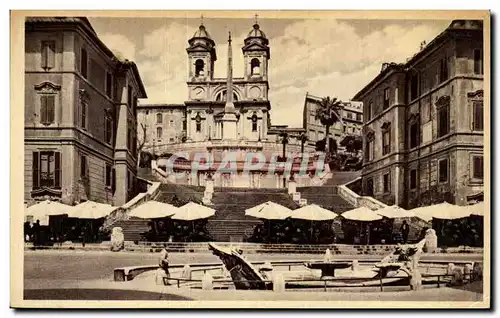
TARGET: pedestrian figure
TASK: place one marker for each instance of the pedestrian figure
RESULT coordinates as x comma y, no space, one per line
163,261
36,233
405,230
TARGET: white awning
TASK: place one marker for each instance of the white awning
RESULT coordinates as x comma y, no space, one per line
313,212
394,212
193,211
153,210
361,214
91,210
269,211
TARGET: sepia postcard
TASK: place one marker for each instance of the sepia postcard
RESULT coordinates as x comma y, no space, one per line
250,159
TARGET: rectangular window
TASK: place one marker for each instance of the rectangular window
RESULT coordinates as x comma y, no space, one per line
369,151
46,169
184,125
84,63
386,142
159,132
387,183
478,61
159,118
414,135
477,167
358,117
369,187
83,115
369,110
48,54
109,85
443,170
83,167
413,179
386,98
478,114
109,129
443,69
109,176
198,126
443,121
47,109
414,87
171,139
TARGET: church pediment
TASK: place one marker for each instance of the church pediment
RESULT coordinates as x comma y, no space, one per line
198,48
255,47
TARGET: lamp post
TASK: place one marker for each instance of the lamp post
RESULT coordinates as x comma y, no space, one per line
284,142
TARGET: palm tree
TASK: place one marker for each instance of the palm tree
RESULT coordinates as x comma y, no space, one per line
303,140
328,113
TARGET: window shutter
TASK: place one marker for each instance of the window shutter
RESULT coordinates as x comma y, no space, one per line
44,55
113,180
50,59
36,162
57,170
43,109
50,108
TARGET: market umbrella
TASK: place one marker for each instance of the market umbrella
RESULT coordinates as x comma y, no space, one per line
269,211
362,214
313,213
91,210
475,209
193,211
153,210
445,211
41,211
394,212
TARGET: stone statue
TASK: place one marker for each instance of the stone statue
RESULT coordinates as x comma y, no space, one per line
117,239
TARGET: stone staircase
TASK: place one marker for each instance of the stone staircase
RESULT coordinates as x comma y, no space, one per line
132,228
230,224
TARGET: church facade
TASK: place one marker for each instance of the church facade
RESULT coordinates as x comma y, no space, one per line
223,115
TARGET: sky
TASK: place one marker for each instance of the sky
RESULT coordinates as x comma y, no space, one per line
322,57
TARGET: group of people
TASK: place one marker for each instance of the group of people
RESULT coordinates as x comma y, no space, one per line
323,232
163,230
58,232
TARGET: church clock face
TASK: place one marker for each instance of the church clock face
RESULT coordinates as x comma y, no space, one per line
198,93
255,92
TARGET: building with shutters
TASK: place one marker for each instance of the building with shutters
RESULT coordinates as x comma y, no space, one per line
351,121
423,123
80,115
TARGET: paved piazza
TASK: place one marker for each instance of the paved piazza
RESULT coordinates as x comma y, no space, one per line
89,275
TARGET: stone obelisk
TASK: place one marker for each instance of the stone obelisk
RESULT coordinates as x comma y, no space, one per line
229,119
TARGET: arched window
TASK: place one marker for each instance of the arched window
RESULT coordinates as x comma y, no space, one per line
199,68
159,118
221,96
198,122
159,132
255,66
254,122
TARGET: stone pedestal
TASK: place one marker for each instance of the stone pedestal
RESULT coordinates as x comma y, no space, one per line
278,283
292,187
117,239
160,274
207,282
355,265
186,272
430,241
